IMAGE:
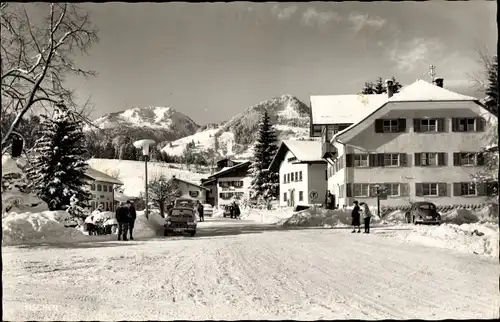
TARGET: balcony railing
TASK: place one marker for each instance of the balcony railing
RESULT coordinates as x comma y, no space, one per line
328,151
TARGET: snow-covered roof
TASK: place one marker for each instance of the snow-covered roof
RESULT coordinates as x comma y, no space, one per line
229,169
426,92
304,151
419,91
189,183
101,176
342,109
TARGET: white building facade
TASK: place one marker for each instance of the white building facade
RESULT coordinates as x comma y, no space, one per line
423,144
302,173
102,187
229,184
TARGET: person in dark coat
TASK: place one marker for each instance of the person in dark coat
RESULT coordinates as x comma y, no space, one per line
121,218
199,209
131,217
236,210
356,221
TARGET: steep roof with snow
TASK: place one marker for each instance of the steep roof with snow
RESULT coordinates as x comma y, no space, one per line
189,183
226,170
101,176
304,151
422,91
419,91
342,109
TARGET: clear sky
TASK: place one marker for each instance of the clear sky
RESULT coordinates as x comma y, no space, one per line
211,61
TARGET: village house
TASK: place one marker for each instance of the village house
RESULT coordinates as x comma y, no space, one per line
423,143
231,181
102,188
191,190
302,172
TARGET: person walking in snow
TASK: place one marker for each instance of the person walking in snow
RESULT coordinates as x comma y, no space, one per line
121,217
90,226
131,217
236,210
356,222
199,209
367,215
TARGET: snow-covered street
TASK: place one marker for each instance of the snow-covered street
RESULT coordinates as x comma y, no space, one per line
245,270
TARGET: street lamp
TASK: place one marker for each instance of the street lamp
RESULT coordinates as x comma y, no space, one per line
144,145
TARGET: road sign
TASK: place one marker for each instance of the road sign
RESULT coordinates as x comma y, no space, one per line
313,194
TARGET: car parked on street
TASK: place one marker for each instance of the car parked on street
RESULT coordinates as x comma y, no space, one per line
181,220
423,212
208,210
184,202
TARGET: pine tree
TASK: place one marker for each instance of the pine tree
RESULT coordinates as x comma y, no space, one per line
58,169
380,87
264,184
109,150
492,86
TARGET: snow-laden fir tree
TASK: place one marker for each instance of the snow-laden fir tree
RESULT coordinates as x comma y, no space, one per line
57,172
265,184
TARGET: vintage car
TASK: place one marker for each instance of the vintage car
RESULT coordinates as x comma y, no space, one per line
184,202
423,212
180,220
208,210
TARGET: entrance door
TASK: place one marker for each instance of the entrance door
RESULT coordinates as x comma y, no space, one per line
292,197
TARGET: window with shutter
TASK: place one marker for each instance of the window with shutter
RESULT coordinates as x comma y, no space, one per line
456,159
468,189
372,162
401,125
300,175
457,189
403,162
480,159
392,126
418,159
379,127
416,125
428,125
391,159
419,189
360,160
441,159
480,124
441,125
349,160
348,190
380,159
404,189
442,189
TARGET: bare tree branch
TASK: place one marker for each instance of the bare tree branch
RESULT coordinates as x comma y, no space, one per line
36,58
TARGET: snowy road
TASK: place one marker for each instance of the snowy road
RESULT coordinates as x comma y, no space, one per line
240,270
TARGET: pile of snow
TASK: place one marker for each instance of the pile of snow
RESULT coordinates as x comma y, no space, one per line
481,239
320,217
14,195
42,227
131,173
151,227
273,216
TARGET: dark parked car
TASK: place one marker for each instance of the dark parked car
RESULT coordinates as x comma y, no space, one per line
184,202
180,220
423,212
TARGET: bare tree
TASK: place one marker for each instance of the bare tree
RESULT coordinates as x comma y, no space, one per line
36,56
485,60
162,191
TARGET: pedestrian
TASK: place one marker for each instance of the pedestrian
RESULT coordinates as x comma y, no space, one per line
367,215
199,209
356,222
90,225
121,217
328,199
131,217
236,210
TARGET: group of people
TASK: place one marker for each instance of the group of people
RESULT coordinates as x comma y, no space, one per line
126,216
234,210
359,210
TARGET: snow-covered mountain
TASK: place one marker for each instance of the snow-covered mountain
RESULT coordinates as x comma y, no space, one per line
158,123
236,136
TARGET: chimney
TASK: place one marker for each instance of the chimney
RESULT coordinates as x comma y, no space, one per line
390,90
439,82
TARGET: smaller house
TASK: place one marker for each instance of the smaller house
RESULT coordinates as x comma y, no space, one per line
231,182
102,189
191,190
302,172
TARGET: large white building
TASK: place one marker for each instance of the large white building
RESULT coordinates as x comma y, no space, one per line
302,173
423,143
231,182
101,186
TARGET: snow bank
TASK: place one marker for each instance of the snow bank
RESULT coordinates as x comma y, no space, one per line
265,216
151,227
320,217
481,239
47,226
